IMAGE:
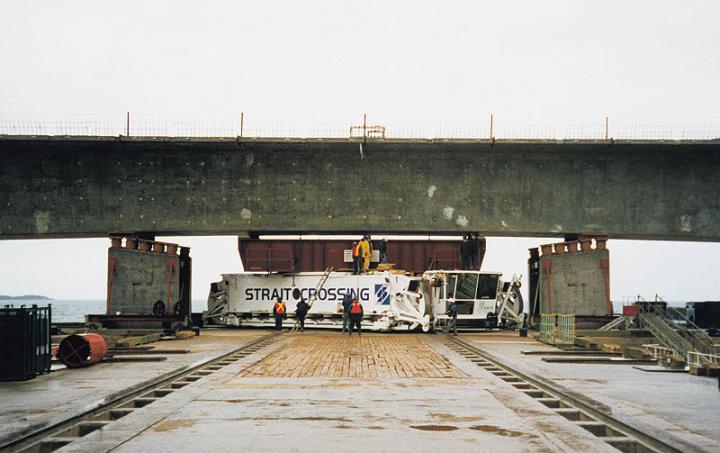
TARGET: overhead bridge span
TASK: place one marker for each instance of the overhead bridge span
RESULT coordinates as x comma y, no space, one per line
94,186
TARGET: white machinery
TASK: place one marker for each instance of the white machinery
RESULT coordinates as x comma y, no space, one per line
391,301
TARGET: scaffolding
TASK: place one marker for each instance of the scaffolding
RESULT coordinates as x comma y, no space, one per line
557,329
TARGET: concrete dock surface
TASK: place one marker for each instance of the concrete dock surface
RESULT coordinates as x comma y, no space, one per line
326,391
684,405
33,404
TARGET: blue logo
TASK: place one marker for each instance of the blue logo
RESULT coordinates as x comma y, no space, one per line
382,294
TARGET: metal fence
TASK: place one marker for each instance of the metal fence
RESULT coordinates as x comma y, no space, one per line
25,339
557,329
127,124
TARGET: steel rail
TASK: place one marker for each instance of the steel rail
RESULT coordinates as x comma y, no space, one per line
577,408
116,405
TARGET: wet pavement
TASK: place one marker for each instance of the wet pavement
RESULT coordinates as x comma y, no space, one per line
680,404
47,399
252,405
324,391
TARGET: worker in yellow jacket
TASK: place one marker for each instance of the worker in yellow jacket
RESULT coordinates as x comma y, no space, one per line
365,252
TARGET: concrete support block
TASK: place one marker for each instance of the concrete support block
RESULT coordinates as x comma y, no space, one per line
632,352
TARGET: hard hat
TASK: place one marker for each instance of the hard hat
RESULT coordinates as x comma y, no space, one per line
451,300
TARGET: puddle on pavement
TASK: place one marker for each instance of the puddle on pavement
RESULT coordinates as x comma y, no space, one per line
496,430
170,425
434,427
453,418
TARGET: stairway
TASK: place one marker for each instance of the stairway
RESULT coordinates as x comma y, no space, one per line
675,330
665,334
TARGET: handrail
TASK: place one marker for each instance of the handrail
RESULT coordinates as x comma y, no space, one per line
690,331
246,127
697,359
655,349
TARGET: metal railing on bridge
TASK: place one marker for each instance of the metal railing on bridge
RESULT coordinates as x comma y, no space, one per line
244,126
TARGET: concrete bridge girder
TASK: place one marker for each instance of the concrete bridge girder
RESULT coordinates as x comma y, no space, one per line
92,186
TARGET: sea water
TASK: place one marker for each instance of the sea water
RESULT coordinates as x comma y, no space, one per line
74,310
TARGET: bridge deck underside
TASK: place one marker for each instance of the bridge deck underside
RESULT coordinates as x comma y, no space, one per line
54,187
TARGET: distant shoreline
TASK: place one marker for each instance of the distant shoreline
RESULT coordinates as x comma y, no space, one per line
25,297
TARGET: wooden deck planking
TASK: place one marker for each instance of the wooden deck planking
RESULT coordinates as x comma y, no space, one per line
367,357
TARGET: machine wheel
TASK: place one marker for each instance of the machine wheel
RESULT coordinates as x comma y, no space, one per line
517,300
491,320
426,325
158,308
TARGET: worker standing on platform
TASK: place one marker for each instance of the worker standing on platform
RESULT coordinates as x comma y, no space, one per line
280,313
452,316
365,253
357,265
346,304
383,251
356,315
475,251
301,310
465,258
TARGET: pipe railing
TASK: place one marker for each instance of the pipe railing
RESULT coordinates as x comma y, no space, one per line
245,126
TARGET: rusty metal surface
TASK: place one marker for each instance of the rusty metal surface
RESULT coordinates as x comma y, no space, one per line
262,255
82,350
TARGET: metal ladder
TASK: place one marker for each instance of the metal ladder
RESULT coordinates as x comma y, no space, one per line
313,297
665,334
684,338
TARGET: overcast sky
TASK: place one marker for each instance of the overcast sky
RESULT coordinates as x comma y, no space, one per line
329,62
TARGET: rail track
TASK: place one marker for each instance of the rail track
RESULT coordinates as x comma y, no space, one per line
575,408
54,437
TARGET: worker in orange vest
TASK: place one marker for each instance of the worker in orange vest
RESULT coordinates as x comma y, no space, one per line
356,315
280,313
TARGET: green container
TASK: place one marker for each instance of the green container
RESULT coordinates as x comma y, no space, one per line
25,341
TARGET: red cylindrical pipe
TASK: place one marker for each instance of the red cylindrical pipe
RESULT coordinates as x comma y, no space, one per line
82,350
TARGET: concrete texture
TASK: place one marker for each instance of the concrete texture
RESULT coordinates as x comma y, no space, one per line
33,404
137,279
225,411
576,283
468,409
90,186
681,405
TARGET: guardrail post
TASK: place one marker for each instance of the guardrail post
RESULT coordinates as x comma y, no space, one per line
606,128
365,127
